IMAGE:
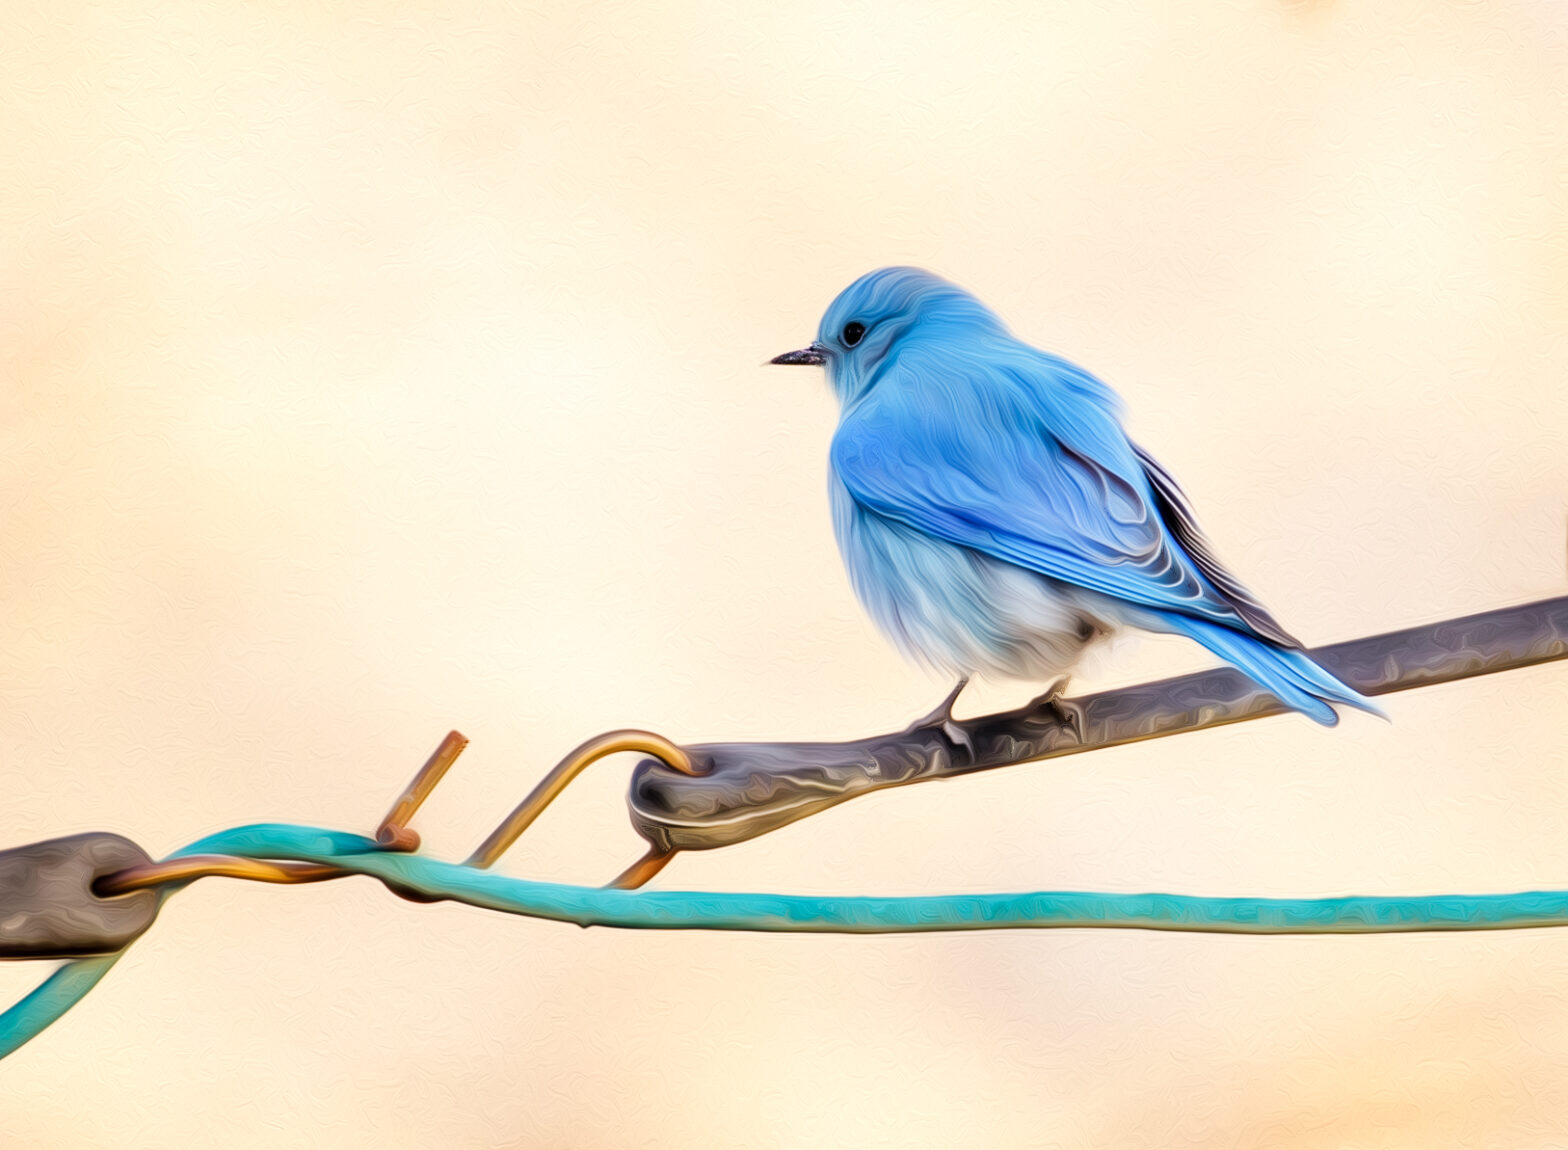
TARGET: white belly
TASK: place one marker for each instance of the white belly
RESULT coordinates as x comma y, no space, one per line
956,609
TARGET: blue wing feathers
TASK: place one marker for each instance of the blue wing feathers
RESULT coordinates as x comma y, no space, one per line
1179,519
1030,465
1021,490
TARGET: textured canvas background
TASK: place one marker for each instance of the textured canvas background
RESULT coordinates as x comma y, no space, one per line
373,371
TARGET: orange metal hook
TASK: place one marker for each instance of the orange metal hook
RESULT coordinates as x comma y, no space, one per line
609,743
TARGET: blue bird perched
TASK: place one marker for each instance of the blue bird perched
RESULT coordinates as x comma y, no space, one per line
994,516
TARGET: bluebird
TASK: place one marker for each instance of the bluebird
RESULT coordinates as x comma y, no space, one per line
995,518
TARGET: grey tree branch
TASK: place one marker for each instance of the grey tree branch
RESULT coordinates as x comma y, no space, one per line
747,789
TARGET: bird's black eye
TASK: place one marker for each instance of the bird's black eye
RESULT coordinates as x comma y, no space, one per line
852,333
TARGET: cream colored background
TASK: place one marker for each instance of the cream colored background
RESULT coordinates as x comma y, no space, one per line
376,371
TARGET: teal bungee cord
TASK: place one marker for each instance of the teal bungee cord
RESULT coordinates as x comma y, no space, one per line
711,910
53,997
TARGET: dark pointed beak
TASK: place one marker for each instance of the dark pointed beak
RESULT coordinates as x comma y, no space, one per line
815,355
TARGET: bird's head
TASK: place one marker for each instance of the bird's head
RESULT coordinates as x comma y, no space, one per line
877,313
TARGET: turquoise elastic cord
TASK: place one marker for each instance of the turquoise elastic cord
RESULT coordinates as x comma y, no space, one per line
55,995
698,910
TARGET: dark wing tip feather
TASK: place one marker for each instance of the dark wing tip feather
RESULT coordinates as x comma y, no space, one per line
1183,525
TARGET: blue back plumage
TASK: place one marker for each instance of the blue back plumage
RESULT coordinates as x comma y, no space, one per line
954,430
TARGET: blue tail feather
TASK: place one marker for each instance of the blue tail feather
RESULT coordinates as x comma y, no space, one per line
1289,675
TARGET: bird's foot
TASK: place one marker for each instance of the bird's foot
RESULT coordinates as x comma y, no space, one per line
942,717
1068,713
942,714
